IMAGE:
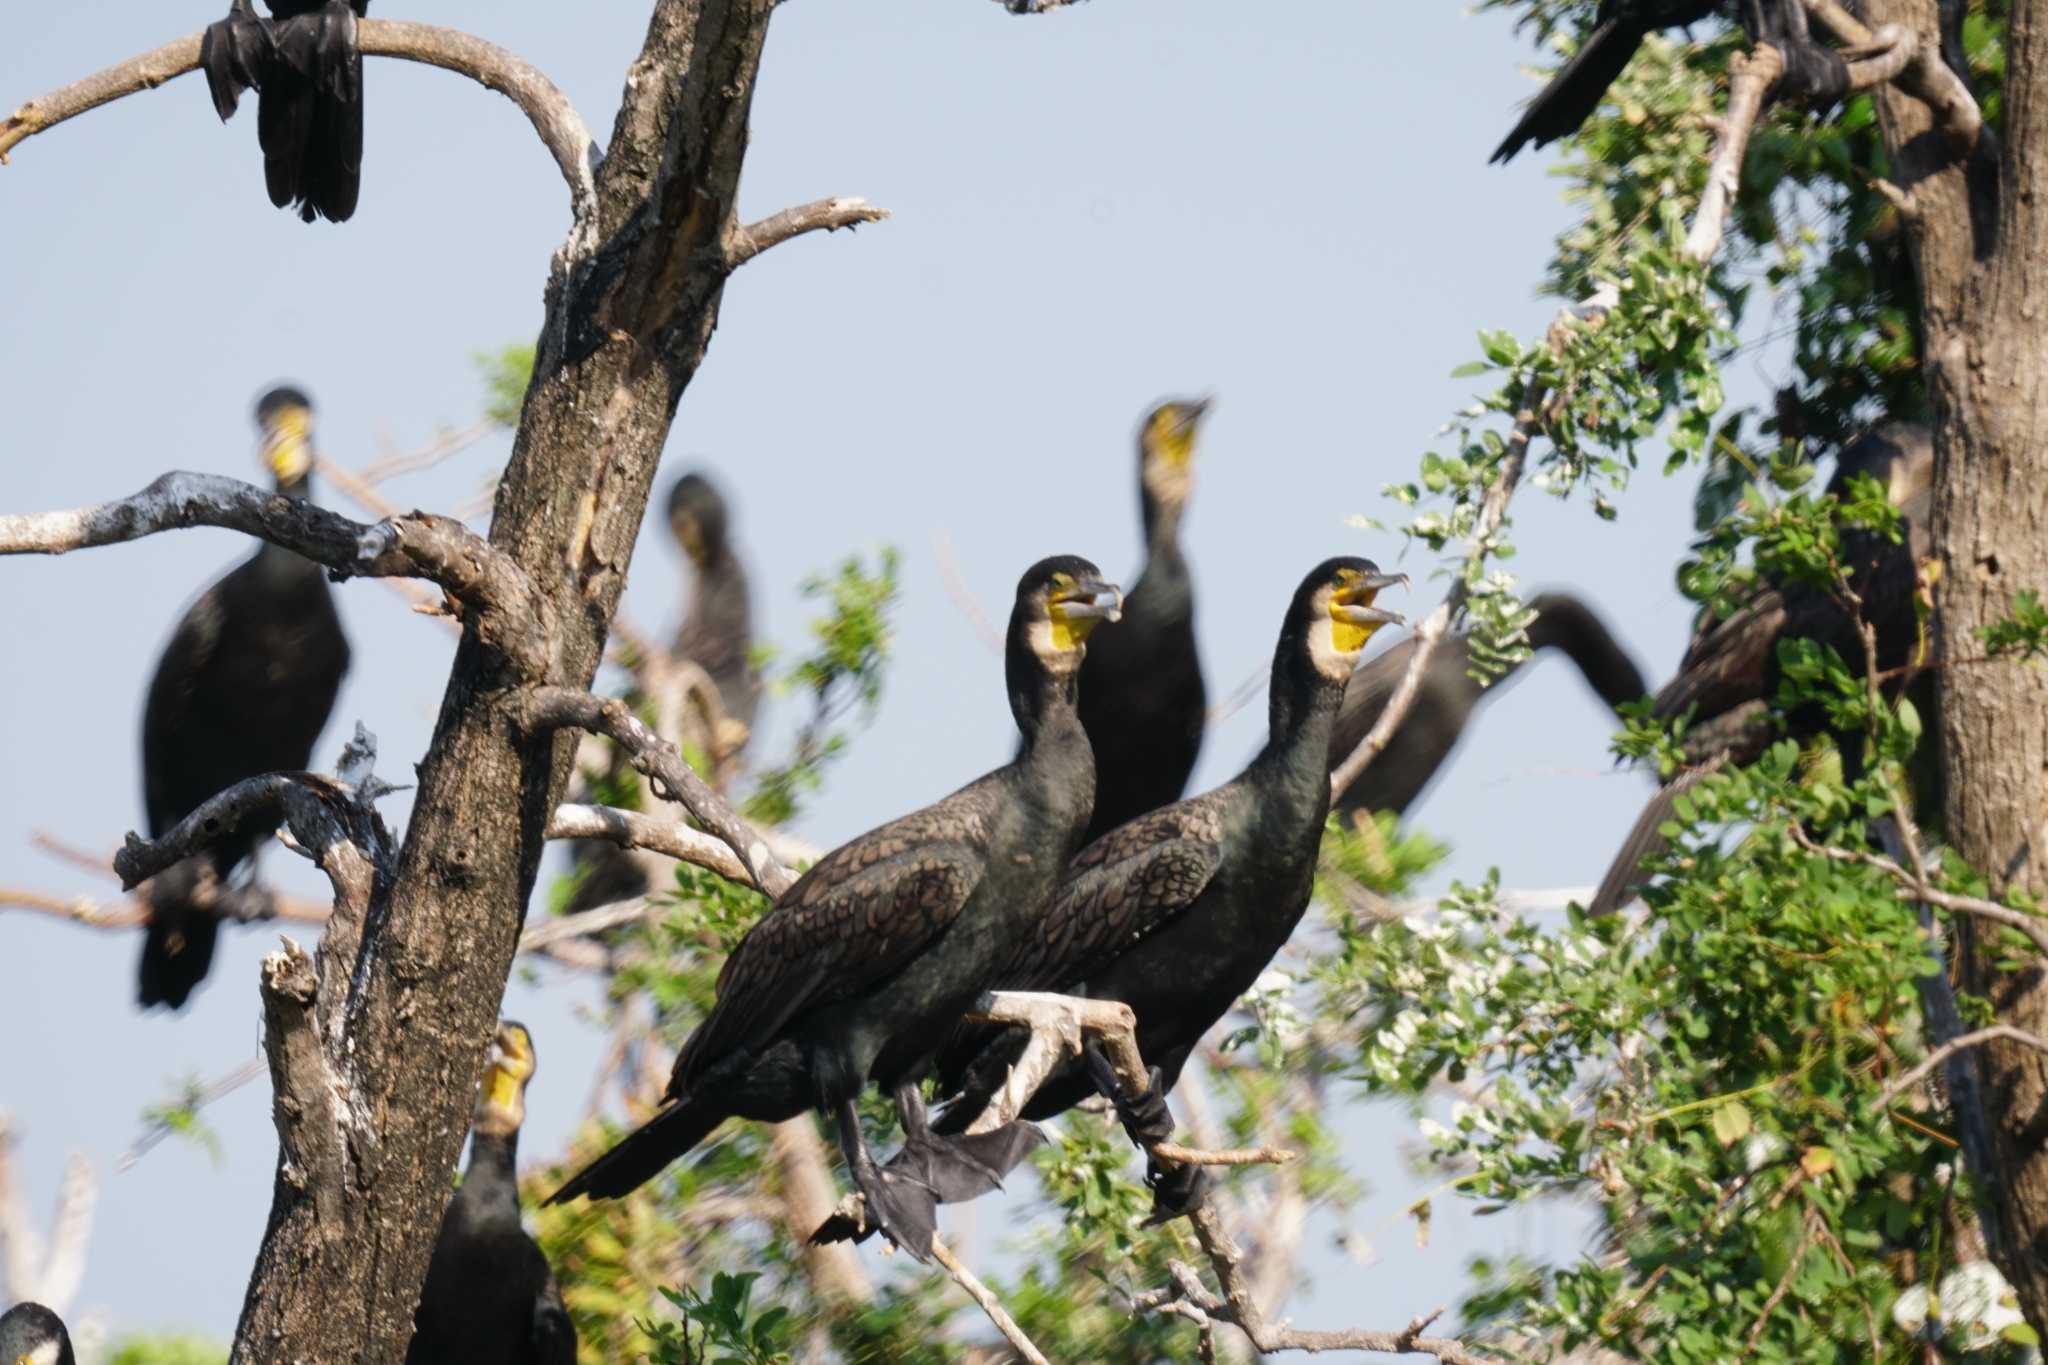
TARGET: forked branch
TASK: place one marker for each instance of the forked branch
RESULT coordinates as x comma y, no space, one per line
561,128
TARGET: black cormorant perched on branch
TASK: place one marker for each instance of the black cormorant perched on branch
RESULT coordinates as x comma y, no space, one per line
490,1294
243,688
1448,694
1178,912
307,70
31,1334
1730,671
1813,72
867,961
717,635
1142,699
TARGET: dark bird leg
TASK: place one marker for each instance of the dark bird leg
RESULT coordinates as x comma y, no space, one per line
955,1168
1176,1189
235,53
903,1207
1814,74
1145,1115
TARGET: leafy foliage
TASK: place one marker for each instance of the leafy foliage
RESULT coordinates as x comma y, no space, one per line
505,373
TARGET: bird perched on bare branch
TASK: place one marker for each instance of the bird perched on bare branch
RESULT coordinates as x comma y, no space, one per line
1813,72
863,965
243,688
307,70
1178,912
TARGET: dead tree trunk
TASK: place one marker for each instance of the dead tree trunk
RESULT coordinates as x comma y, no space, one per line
631,304
1980,234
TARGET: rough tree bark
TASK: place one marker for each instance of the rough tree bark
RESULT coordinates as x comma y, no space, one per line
1980,235
631,303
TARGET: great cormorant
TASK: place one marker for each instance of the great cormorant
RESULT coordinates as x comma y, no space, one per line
243,688
307,69
1448,694
1178,912
490,1294
865,962
1813,72
717,635
31,1334
1142,699
1730,671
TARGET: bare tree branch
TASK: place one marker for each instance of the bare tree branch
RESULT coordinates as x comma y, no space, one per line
50,1277
1750,77
542,709
1923,74
561,128
160,1128
509,615
1907,1080
310,1106
637,829
743,244
990,1304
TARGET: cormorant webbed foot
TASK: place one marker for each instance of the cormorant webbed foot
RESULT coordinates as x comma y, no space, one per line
1177,1190
1145,1115
234,53
955,1169
904,1208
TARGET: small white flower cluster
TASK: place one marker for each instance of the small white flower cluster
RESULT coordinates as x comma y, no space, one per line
1971,1310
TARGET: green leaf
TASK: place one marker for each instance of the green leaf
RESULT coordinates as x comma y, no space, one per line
1731,1123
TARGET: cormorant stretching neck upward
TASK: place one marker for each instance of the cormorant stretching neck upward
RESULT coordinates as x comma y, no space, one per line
1142,698
490,1294
863,964
243,688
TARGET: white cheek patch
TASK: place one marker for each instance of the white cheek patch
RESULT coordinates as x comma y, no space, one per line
45,1354
1322,649
1056,658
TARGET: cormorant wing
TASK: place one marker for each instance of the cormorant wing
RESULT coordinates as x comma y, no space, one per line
1122,887
186,660
858,917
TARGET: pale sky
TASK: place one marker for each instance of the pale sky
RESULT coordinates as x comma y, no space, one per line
1287,205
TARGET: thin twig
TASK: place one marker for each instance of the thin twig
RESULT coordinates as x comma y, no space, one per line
1908,1079
743,244
161,1128
1912,888
990,1304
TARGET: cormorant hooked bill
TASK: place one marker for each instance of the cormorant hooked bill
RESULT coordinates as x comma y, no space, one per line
307,70
31,1334
1730,671
1449,694
863,965
1142,699
1814,73
490,1294
243,688
1178,912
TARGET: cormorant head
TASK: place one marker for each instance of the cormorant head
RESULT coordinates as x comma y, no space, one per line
501,1108
1059,601
285,416
1334,612
1166,449
696,517
31,1334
